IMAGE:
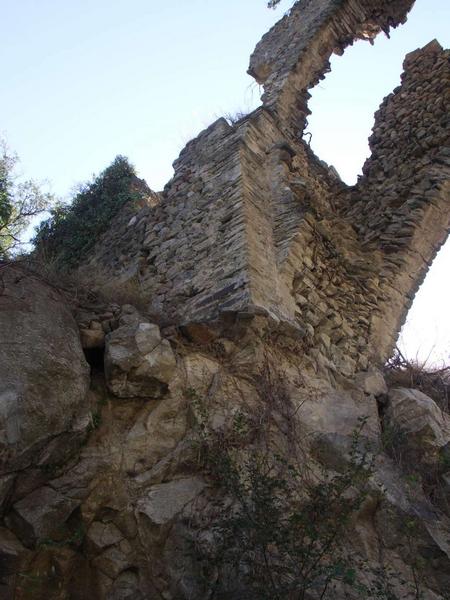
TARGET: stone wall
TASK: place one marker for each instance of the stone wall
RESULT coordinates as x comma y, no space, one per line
294,55
253,222
359,263
401,205
189,250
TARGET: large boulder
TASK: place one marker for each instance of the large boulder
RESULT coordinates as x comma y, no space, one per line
44,377
138,362
415,426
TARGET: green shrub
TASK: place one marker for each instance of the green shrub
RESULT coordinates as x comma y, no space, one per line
278,524
73,229
280,535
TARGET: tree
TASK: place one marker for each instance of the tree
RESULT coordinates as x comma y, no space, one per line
273,3
20,202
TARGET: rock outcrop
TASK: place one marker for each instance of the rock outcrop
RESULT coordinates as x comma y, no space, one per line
138,363
236,437
44,377
420,429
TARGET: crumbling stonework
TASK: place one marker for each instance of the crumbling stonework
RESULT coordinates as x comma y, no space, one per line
294,55
251,204
401,204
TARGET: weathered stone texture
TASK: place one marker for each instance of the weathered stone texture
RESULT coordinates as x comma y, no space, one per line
138,362
294,55
401,204
126,512
421,428
255,260
44,377
251,204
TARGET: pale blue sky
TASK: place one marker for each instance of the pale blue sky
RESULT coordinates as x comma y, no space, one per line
86,80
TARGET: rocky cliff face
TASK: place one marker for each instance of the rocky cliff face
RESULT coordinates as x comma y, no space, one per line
230,434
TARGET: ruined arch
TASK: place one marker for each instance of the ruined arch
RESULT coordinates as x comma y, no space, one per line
254,223
294,55
379,237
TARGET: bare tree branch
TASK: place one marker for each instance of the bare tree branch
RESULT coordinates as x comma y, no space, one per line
20,202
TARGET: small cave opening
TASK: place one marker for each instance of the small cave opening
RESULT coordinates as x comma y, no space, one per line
95,357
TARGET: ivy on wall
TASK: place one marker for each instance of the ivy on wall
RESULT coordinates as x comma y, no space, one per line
72,230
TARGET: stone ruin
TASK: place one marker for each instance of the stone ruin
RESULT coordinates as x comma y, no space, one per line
253,222
255,254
